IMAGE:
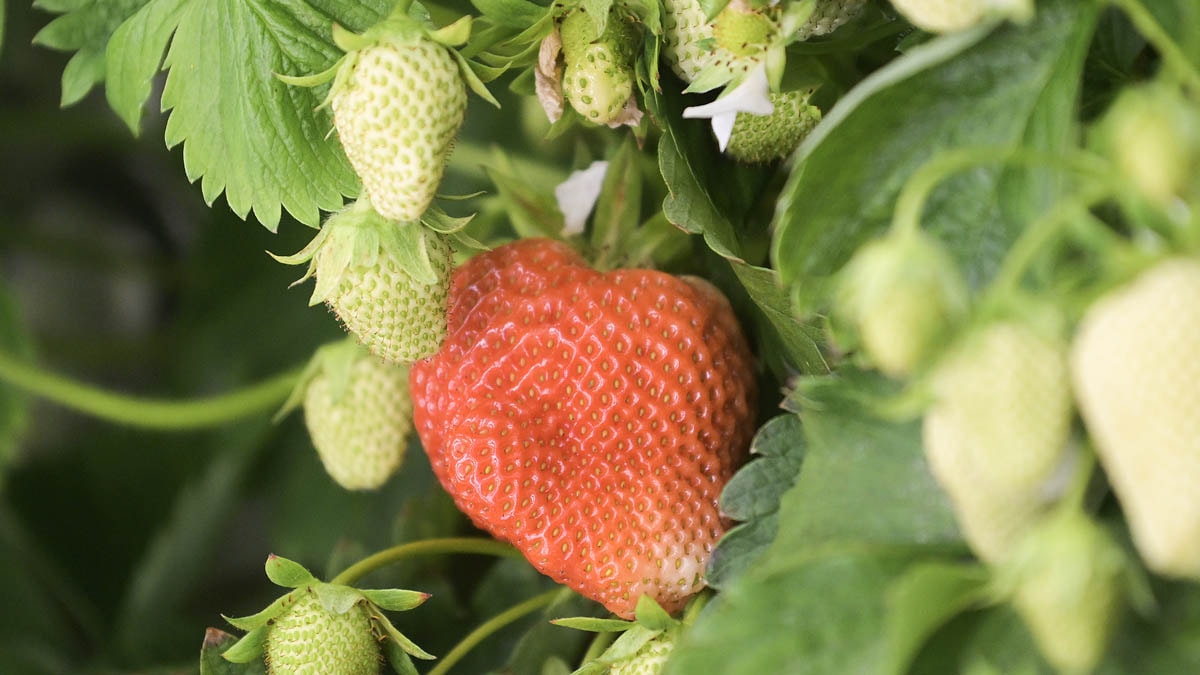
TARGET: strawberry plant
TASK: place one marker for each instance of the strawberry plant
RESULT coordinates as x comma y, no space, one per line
727,336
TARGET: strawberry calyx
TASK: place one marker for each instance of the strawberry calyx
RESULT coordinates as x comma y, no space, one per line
408,23
643,645
359,236
329,607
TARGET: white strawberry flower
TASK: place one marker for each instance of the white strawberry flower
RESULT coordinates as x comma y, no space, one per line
752,96
577,196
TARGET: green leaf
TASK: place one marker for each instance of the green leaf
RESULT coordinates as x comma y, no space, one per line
794,343
818,615
927,596
395,599
753,495
244,132
287,573
134,54
864,479
620,202
755,490
212,661
651,615
511,13
84,27
708,195
531,208
398,659
1012,86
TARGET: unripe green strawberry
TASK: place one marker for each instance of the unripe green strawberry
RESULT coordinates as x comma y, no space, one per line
689,41
359,415
900,294
397,106
598,77
743,30
1153,134
765,138
1135,363
596,86
828,16
1068,577
309,639
386,281
998,429
947,16
650,659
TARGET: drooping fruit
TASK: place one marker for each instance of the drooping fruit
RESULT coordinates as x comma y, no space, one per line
590,419
1135,363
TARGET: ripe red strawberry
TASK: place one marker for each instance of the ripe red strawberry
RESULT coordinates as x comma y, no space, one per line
590,419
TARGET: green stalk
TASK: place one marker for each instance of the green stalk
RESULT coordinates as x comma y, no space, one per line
149,413
1172,55
467,545
492,625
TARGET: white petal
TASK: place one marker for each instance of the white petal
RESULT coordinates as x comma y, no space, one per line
750,96
577,196
722,126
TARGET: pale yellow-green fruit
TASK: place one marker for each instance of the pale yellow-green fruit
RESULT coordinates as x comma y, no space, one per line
1135,364
949,16
997,431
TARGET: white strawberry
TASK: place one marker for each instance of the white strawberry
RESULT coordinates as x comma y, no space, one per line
947,16
598,78
1135,363
359,415
1068,579
997,430
689,40
397,106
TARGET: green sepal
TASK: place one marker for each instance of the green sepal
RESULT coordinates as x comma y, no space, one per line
249,648
249,623
630,642
349,41
287,573
593,624
651,615
395,599
466,68
313,80
334,360
398,659
442,222
399,640
454,34
336,598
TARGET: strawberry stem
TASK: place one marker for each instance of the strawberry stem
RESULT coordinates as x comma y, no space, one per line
494,624
1156,35
388,556
148,413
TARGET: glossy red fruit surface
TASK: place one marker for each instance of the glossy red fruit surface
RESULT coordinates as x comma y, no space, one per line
591,419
